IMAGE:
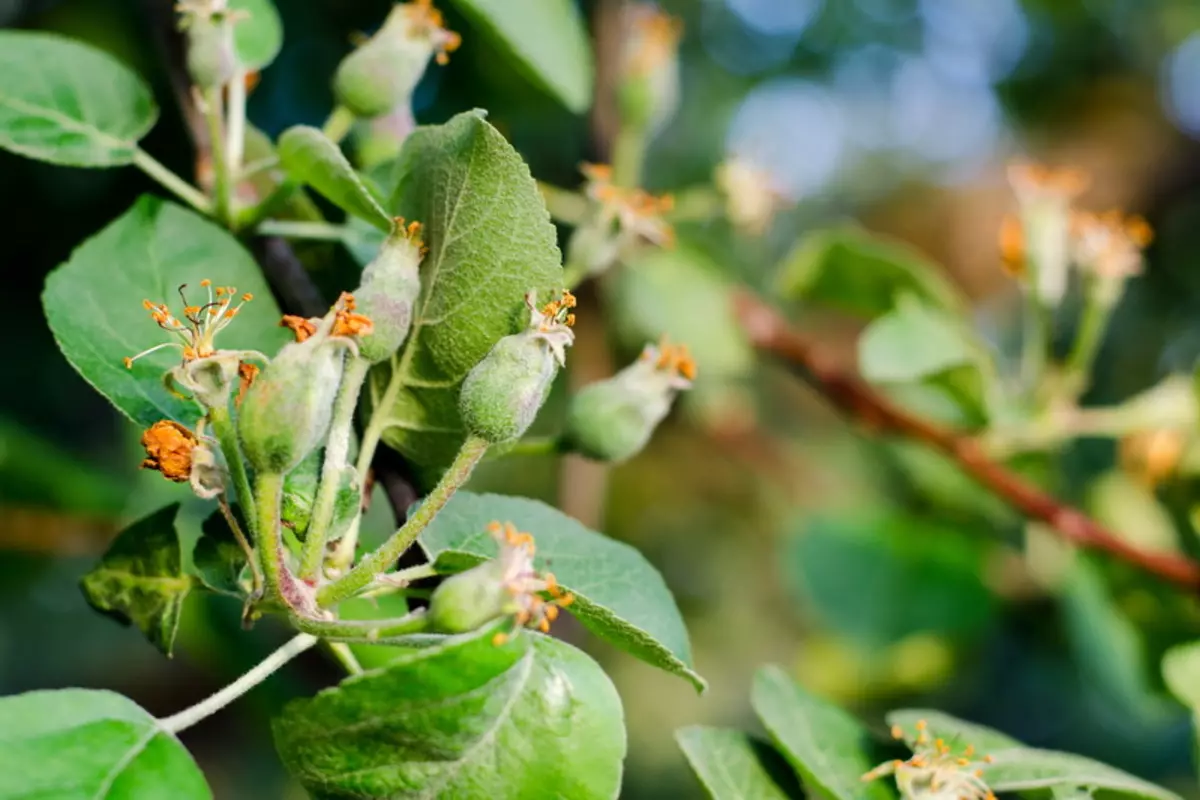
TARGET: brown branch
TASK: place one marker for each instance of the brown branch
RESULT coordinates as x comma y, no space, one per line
771,333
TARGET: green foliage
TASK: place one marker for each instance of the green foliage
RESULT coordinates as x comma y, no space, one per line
140,579
490,241
957,733
619,596
68,103
733,765
310,158
1026,769
911,342
257,37
862,273
463,718
94,303
218,560
82,743
924,577
824,744
545,39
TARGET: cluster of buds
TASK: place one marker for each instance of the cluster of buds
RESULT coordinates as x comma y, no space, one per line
508,585
612,420
380,75
648,76
208,29
206,373
751,199
502,394
936,770
619,219
1050,236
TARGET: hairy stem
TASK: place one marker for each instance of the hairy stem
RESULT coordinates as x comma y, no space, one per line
291,229
533,446
243,542
268,494
222,194
336,450
398,580
362,630
211,705
172,182
338,124
1088,337
226,432
374,565
236,128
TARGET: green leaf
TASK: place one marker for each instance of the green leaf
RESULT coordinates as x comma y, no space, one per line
825,745
733,765
68,103
925,577
312,159
1026,769
546,40
619,595
1181,671
490,241
462,718
258,36
862,273
86,744
140,579
218,559
957,733
94,303
911,342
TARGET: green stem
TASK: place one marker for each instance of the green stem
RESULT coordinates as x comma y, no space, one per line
226,432
398,580
291,229
222,199
236,128
379,416
533,446
211,705
244,543
336,450
1088,337
372,566
628,157
362,630
1035,343
345,656
269,494
172,182
339,123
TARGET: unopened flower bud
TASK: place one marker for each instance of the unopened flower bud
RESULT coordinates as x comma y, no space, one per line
381,74
509,584
390,285
649,69
287,411
1042,240
208,31
502,393
612,420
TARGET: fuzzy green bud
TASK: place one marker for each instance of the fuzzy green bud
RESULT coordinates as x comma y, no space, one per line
286,412
381,74
211,59
612,420
390,285
648,87
502,394
469,600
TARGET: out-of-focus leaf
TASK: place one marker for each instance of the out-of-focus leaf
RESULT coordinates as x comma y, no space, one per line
923,577
956,733
732,765
259,35
490,242
862,273
1120,502
619,595
311,158
140,579
72,744
35,472
68,103
546,40
826,746
1026,769
94,303
911,342
1181,671
463,718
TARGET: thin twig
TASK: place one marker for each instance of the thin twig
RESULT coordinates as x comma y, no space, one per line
770,332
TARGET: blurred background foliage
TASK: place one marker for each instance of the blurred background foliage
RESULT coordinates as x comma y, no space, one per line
876,572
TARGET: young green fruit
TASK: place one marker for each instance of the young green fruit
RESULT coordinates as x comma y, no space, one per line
612,420
469,600
286,412
390,285
208,33
381,74
502,394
